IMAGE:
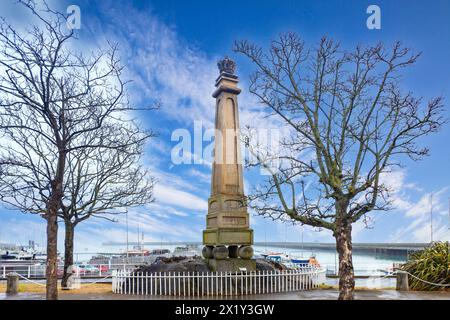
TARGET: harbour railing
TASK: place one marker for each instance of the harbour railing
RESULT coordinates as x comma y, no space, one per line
37,271
196,284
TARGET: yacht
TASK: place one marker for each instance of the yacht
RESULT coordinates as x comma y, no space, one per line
18,255
187,250
23,254
291,261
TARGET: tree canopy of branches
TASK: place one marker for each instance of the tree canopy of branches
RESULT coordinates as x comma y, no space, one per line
350,125
59,108
102,183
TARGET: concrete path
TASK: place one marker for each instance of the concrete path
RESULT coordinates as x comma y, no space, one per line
326,294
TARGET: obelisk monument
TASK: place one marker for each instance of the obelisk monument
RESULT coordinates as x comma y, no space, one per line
227,237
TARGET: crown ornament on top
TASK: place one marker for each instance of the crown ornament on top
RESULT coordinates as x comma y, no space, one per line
226,65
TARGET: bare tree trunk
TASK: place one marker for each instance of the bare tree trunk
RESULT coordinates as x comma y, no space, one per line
68,251
343,235
54,202
51,271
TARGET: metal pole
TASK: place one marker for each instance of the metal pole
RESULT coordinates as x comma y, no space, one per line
126,218
303,244
142,246
335,263
431,218
138,240
265,236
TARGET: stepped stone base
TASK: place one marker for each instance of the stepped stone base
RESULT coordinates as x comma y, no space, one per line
231,265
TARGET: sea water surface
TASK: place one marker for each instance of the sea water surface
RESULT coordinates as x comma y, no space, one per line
363,262
372,269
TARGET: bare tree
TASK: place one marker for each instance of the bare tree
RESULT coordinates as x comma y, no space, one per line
54,102
102,183
350,125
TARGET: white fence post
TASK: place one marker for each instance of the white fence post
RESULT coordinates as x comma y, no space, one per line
113,283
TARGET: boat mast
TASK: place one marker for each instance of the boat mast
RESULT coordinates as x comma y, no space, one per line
126,219
138,240
265,236
142,249
303,245
431,218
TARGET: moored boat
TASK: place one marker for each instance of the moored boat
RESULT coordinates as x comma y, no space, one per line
291,262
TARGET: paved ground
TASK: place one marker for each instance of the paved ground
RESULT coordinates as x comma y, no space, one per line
326,294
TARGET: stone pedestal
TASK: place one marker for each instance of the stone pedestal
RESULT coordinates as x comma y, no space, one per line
227,236
232,265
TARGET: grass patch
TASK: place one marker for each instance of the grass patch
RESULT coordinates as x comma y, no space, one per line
87,288
324,286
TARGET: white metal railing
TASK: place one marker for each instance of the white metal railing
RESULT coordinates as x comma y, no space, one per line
34,271
100,270
192,284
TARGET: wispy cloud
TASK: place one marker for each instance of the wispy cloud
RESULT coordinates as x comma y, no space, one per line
197,174
167,194
417,219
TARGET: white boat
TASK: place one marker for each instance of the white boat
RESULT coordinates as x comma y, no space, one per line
23,255
188,251
276,256
291,261
16,256
40,256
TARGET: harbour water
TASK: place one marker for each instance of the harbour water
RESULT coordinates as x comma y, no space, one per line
363,262
371,270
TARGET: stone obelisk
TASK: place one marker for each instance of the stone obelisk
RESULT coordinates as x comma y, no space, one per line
228,237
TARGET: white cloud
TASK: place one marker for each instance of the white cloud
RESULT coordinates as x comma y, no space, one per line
417,217
19,231
423,206
169,195
204,177
410,207
162,64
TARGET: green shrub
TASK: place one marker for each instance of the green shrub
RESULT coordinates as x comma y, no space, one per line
432,265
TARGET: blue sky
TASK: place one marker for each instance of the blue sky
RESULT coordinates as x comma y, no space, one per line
170,49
